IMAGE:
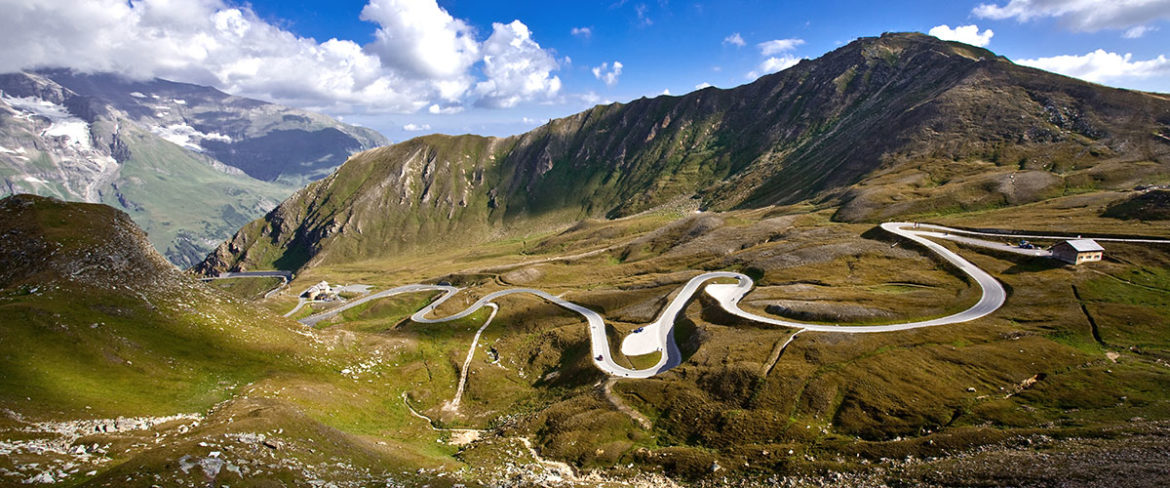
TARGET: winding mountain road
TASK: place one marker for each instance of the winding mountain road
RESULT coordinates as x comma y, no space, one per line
658,336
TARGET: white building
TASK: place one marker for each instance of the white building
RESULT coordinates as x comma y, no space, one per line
1077,251
319,291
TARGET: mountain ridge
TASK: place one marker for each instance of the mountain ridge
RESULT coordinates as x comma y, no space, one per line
908,108
168,153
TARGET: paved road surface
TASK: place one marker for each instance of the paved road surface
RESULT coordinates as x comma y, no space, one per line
285,278
286,275
1046,237
999,246
659,334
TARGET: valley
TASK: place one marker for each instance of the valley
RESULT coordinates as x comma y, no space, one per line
991,369
819,278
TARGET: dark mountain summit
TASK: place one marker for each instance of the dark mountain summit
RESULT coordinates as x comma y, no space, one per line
903,124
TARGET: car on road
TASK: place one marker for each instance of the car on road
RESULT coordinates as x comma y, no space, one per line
639,329
599,357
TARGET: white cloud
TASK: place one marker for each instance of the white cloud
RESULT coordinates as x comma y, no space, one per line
734,39
416,127
582,32
516,67
420,56
643,15
441,110
665,92
769,48
967,34
1080,15
1138,31
199,41
607,74
421,38
772,65
703,85
1102,67
590,98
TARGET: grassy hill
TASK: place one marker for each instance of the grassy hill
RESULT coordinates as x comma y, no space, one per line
899,125
1072,372
118,370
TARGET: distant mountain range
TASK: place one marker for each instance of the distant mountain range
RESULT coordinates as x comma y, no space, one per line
189,163
884,127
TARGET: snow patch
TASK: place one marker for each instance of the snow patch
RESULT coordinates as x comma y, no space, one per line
180,101
37,106
34,179
215,136
62,123
187,136
137,95
75,130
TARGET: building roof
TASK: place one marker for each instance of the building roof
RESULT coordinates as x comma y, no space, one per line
1084,245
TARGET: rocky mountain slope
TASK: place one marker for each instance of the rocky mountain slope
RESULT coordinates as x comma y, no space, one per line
189,163
899,125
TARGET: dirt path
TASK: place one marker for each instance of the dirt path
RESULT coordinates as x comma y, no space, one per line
616,401
776,353
459,437
454,405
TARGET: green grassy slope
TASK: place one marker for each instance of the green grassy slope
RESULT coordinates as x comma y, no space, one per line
198,203
103,342
1076,351
899,125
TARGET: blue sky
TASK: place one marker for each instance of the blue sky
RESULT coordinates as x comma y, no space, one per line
409,67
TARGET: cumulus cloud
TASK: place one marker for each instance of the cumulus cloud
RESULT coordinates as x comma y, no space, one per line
582,32
1080,15
421,38
967,34
416,127
607,74
516,67
772,65
421,56
734,39
1102,66
769,48
703,85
